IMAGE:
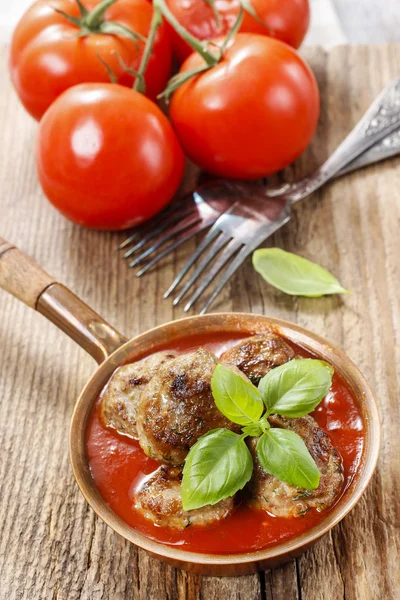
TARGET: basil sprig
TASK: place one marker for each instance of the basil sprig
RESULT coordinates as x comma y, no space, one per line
220,464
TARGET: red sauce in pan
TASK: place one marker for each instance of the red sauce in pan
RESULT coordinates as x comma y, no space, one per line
119,465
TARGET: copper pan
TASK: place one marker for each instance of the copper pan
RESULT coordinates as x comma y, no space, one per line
22,277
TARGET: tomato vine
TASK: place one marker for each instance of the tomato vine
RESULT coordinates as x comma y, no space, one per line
90,22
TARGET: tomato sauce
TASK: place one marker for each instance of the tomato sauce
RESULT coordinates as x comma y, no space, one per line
119,466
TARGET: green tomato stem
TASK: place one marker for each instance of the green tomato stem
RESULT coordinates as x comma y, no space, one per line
82,8
156,21
211,4
210,58
179,79
93,19
109,70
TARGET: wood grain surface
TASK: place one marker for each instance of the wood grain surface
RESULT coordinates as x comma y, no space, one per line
52,546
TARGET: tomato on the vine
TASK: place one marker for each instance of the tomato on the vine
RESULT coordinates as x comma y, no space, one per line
285,20
49,53
107,157
251,114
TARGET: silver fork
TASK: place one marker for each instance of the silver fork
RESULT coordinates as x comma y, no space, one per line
200,209
260,212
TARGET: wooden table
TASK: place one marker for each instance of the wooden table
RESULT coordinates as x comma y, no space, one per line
52,546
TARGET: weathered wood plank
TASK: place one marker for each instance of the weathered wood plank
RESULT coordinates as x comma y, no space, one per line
51,544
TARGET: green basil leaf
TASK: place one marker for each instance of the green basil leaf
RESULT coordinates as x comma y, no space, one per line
297,387
283,453
294,274
237,399
217,466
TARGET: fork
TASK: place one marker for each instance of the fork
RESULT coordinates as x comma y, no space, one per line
257,212
198,210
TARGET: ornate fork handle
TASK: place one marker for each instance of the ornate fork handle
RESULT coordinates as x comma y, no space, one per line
381,119
389,146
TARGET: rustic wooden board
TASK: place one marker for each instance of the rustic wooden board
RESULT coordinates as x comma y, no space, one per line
52,546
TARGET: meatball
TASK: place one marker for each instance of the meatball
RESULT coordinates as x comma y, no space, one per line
177,407
159,500
257,355
120,399
284,500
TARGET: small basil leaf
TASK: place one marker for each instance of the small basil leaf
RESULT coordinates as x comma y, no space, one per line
294,274
237,399
297,387
283,453
254,429
217,466
258,428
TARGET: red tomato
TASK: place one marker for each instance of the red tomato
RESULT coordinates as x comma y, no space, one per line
47,56
250,115
286,20
107,157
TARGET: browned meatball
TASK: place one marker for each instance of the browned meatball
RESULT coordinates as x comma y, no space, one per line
159,500
121,397
257,355
284,500
177,407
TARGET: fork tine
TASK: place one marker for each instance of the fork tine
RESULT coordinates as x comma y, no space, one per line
205,242
212,252
155,231
128,240
228,252
187,235
179,227
232,268
150,224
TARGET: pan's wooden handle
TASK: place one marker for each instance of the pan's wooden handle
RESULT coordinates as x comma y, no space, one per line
24,279
21,276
